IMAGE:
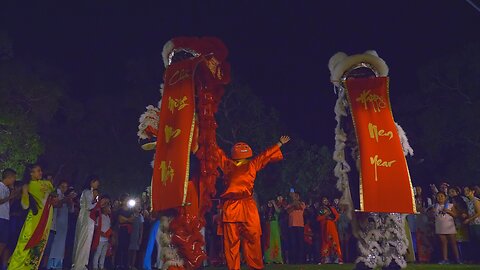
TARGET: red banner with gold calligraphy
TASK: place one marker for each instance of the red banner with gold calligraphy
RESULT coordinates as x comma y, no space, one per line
385,184
174,136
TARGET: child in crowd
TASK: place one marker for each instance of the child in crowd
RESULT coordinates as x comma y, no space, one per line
445,227
103,223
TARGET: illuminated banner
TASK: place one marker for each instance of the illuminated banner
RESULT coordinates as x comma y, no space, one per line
174,136
385,184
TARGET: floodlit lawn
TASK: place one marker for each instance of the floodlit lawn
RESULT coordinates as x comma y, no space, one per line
350,267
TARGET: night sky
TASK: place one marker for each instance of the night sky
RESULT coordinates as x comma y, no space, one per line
279,48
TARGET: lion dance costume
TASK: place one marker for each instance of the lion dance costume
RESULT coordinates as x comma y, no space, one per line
378,148
183,132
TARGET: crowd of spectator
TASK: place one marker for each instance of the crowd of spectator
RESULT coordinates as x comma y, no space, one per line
91,230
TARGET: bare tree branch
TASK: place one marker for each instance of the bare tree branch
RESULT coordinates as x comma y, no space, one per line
455,88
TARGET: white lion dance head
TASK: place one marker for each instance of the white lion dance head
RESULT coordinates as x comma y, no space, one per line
342,67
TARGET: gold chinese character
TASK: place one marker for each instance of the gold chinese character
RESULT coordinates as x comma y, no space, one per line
213,65
178,76
377,102
375,133
170,133
176,103
167,172
377,162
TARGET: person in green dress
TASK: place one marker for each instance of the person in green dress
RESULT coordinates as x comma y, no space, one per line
273,251
34,235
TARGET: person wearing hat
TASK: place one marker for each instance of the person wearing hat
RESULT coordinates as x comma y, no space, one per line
241,222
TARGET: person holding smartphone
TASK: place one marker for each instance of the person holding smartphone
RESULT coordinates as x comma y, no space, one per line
273,249
328,217
125,218
445,227
85,225
296,229
60,226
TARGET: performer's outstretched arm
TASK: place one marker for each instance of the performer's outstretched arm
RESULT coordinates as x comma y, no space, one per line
222,159
272,154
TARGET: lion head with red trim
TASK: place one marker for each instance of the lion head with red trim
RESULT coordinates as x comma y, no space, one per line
211,48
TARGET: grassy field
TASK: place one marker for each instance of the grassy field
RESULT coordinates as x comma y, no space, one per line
350,267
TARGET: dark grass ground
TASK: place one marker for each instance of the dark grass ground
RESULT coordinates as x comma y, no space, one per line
350,267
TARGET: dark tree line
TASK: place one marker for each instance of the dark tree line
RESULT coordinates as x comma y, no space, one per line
442,118
79,129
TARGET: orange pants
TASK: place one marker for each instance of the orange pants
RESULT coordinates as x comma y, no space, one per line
247,235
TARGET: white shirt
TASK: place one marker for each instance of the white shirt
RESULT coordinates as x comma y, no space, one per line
4,207
444,223
86,200
55,211
105,226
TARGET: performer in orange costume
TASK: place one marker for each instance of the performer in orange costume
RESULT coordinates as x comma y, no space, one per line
241,223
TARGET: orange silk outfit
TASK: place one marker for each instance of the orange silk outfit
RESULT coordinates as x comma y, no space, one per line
241,222
329,235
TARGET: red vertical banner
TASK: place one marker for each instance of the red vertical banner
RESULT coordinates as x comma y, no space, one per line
385,184
174,136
